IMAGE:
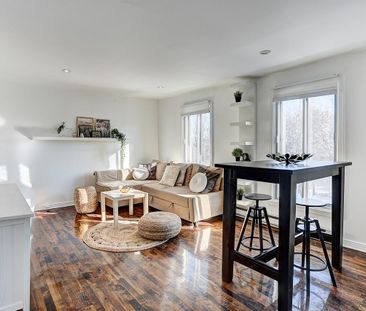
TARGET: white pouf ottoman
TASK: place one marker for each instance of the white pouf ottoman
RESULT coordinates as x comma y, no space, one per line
159,226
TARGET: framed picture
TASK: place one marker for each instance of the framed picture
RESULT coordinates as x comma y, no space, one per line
96,134
85,130
85,123
104,126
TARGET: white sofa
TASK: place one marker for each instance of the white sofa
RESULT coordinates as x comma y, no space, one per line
180,200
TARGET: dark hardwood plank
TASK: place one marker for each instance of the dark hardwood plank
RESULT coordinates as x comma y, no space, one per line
183,274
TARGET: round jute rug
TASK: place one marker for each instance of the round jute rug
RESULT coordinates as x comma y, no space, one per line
105,237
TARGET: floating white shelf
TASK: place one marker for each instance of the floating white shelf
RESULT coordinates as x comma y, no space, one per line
46,134
242,104
81,139
242,143
242,123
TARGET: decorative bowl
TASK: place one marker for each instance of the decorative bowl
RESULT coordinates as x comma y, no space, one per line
124,189
289,158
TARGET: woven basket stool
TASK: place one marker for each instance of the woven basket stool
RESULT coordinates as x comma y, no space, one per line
85,199
159,226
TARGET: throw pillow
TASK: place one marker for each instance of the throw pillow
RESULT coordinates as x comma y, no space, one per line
198,182
188,177
212,178
152,173
140,173
170,175
219,180
182,173
160,168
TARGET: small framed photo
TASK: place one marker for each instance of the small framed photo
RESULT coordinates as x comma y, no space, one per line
104,126
96,134
85,123
85,130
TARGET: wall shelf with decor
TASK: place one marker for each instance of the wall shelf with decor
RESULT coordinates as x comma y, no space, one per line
245,116
81,139
242,143
242,104
244,120
47,134
243,123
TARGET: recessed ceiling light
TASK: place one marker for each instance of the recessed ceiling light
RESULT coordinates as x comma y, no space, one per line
160,86
65,70
265,52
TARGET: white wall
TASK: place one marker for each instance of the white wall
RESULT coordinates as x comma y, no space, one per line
48,171
170,123
352,70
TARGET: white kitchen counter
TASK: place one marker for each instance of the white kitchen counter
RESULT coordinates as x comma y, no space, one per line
15,215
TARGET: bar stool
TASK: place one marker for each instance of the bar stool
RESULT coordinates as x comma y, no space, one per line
310,226
256,213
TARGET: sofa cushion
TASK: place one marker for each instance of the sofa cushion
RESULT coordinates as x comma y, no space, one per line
193,169
160,169
182,173
212,178
178,195
188,176
170,175
113,185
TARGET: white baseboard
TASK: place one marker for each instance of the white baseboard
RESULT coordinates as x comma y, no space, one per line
358,246
15,306
54,205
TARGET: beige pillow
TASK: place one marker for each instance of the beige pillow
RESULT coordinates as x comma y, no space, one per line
170,175
160,168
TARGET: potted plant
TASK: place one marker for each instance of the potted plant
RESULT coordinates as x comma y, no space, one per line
237,96
237,153
240,193
115,133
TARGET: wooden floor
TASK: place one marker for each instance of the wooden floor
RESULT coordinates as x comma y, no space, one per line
183,274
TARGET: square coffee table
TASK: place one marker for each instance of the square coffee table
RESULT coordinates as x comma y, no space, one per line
115,196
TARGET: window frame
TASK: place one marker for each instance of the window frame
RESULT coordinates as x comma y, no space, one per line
183,128
305,106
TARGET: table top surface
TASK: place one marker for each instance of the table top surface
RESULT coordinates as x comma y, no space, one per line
116,194
272,165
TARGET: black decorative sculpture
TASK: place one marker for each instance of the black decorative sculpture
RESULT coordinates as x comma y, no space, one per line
289,158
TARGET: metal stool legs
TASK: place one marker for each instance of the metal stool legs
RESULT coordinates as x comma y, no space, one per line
257,214
306,256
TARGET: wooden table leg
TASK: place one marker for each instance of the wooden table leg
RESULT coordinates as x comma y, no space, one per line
146,203
228,235
130,206
102,203
337,218
287,214
115,213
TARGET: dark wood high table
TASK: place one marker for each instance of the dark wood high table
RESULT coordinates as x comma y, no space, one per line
287,177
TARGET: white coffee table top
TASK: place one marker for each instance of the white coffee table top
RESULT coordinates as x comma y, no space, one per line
118,195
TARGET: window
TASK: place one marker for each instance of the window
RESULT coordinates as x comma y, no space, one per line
197,132
308,124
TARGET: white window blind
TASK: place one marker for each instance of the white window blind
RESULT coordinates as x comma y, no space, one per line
306,88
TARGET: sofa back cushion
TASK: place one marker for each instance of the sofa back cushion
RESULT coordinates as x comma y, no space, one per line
193,169
160,169
170,175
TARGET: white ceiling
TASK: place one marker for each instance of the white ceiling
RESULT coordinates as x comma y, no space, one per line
137,45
